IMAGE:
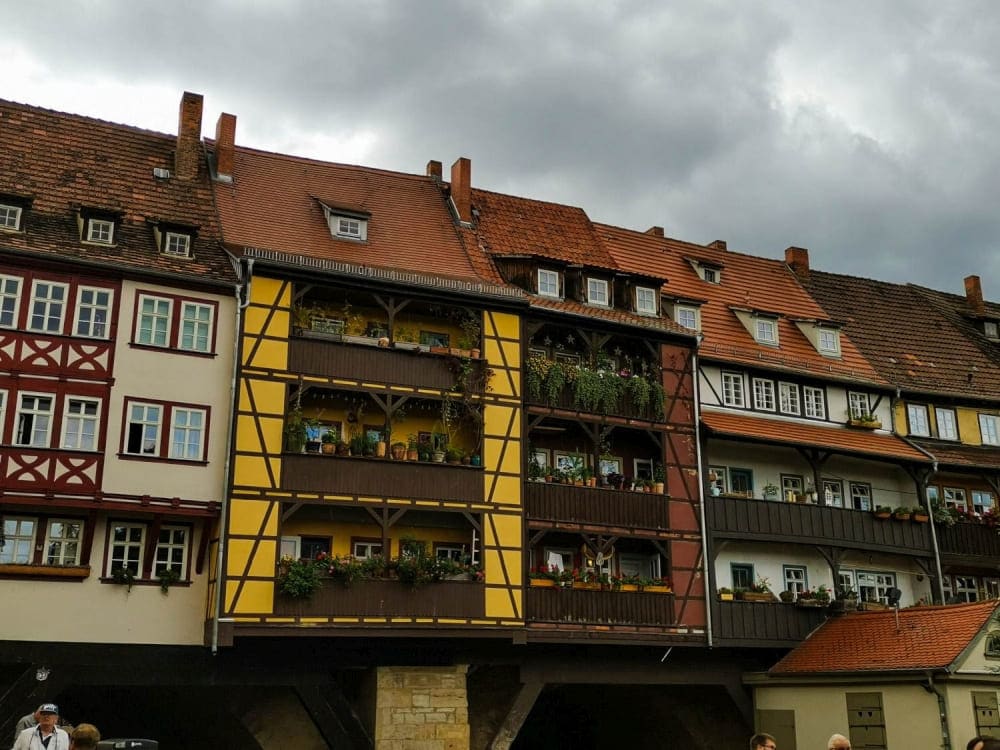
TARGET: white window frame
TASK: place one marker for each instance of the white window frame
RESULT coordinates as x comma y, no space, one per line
365,549
688,317
861,495
167,547
98,327
711,275
144,419
100,231
947,423
10,217
10,300
450,551
766,331
202,328
981,501
828,341
858,404
955,497
877,582
833,493
645,300
18,540
989,429
187,434
795,577
567,557
146,322
791,483
63,541
177,243
597,292
763,395
51,308
348,227
80,430
814,402
127,553
918,420
733,392
291,546
789,401
990,329
548,283
721,478
36,414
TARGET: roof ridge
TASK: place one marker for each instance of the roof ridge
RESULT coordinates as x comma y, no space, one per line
534,200
322,162
86,118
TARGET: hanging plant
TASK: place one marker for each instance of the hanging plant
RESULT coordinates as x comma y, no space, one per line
301,579
640,391
555,382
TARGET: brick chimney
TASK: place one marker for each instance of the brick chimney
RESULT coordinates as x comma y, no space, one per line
188,152
974,295
225,147
797,258
655,231
718,244
434,170
461,189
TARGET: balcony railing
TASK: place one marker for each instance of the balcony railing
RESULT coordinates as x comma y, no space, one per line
763,624
558,605
389,598
317,472
968,543
747,518
545,501
624,407
374,364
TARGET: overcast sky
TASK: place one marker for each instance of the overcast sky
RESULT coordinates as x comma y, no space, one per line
866,132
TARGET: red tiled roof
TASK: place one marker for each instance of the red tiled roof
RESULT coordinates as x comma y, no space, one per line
956,454
747,282
907,335
787,432
611,314
927,638
64,161
274,204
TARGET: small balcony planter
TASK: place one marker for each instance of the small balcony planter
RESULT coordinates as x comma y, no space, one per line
657,589
725,594
587,585
865,424
757,596
883,512
920,517
902,513
541,583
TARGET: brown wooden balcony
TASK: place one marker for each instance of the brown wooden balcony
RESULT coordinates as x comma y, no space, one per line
555,503
968,544
733,517
763,624
624,408
563,605
370,364
389,598
340,475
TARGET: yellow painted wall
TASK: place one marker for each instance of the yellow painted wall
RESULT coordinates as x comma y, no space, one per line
967,419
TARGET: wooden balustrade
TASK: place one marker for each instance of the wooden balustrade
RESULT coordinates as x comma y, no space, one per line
546,501
564,605
763,624
388,598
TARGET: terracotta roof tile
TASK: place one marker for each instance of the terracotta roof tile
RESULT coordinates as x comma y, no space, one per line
956,454
909,336
786,432
746,282
927,638
65,161
616,316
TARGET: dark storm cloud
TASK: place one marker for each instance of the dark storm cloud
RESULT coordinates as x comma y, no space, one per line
863,131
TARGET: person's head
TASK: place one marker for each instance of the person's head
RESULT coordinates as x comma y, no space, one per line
762,741
838,742
84,737
976,743
48,715
989,743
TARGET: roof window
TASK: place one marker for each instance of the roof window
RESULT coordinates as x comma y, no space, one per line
10,217
346,224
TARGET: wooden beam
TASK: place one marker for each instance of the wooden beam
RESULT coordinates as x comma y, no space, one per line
476,524
286,514
516,715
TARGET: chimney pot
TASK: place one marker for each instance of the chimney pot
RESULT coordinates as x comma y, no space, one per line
186,155
974,295
797,258
461,189
655,231
434,169
225,146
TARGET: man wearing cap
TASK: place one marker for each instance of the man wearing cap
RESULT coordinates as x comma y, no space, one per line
45,736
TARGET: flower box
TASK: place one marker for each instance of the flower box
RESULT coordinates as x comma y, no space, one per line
45,571
811,603
657,590
629,587
865,424
541,583
753,596
725,597
874,606
587,585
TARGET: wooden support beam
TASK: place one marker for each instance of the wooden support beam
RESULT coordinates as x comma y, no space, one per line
287,513
326,713
516,715
475,522
537,537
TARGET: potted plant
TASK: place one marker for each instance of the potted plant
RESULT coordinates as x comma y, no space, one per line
341,448
770,491
412,454
344,570
725,594
787,596
759,591
920,515
296,430
883,512
901,513
398,450
329,440
659,478
301,580
405,337
656,586
167,578
846,599
866,420
453,455
123,576
357,444
542,576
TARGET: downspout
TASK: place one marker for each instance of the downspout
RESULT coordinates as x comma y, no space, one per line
930,687
241,305
701,492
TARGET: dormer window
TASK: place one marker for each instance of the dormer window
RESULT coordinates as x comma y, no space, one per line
177,243
645,300
766,331
711,275
100,230
828,341
349,228
686,316
548,283
10,217
990,329
597,292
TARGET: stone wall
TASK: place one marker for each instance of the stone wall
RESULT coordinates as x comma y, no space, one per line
421,708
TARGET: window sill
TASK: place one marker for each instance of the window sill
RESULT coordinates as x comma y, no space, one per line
59,572
172,350
161,460
186,583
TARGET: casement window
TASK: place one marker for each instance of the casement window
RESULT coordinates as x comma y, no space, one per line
62,543
558,557
790,484
154,321
846,581
10,297
144,431
861,496
916,415
815,405
763,394
597,292
101,231
187,434
80,424
766,331
990,329
172,551
947,425
633,564
645,300
962,588
449,551
175,323
548,283
10,217
18,540
720,474
349,227
828,341
741,575
687,317
833,493
34,420
788,398
858,405
732,389
125,548
989,428
982,501
93,312
196,327
177,243
741,482
365,549
954,497
711,275
48,306
874,586
795,578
